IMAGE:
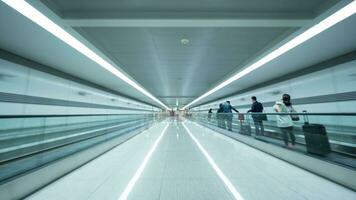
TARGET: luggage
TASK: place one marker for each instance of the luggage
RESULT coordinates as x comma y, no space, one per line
259,116
241,117
245,128
316,138
264,117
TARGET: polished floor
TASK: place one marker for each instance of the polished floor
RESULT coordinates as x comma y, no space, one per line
182,160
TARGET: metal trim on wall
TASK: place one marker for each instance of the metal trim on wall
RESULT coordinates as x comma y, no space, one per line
348,57
328,98
5,55
26,99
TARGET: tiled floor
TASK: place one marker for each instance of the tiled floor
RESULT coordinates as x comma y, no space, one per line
177,169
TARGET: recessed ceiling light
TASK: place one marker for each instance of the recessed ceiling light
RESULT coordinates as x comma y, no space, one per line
184,41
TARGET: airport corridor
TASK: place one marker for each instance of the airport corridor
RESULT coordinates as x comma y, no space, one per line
179,159
178,100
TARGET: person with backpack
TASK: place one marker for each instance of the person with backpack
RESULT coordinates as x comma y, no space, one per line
285,122
227,108
257,108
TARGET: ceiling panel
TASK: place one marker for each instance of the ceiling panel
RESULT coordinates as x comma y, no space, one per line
157,59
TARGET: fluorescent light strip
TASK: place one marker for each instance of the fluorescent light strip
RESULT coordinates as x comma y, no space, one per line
328,22
139,171
216,168
36,16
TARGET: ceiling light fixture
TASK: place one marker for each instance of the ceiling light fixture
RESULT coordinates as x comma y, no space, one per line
36,16
328,22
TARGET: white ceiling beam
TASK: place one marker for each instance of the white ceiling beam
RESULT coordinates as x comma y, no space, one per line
187,22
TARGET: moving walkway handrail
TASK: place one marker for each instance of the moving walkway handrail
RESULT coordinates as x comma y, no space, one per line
31,153
74,115
294,113
44,141
339,126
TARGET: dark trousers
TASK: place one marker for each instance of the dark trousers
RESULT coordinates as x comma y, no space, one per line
259,128
288,131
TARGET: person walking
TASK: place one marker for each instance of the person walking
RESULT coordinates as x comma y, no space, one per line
228,114
257,116
285,122
210,112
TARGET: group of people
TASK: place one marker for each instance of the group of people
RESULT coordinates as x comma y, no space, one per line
224,117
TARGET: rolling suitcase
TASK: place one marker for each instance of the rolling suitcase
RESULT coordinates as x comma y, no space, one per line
245,129
316,138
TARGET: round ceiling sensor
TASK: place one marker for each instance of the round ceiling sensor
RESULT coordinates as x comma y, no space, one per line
184,41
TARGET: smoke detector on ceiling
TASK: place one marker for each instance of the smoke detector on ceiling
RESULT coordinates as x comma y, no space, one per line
184,41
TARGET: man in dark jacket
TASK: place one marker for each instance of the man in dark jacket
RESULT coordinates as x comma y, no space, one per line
257,118
220,116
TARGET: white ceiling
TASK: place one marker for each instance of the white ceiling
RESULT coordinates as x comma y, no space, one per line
154,56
